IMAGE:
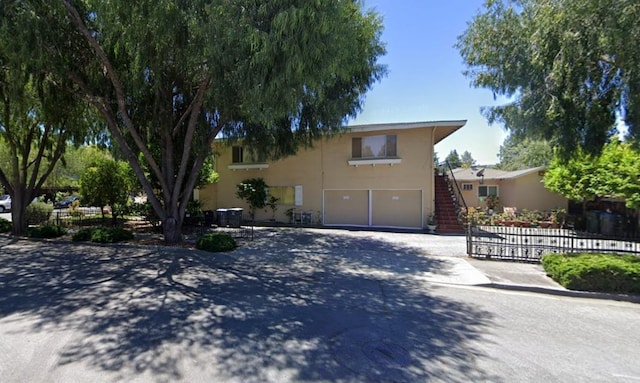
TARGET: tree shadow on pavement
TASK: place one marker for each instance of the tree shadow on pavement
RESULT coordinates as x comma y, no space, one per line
297,307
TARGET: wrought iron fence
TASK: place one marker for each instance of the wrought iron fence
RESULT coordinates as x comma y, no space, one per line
530,244
79,217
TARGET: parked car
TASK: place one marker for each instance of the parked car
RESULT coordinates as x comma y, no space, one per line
65,203
5,203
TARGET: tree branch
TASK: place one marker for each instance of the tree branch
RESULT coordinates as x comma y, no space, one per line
76,19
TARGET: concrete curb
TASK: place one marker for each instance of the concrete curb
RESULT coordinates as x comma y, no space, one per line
630,298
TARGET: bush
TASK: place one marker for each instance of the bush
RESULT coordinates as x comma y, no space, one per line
5,225
110,235
47,231
82,235
216,242
38,213
612,273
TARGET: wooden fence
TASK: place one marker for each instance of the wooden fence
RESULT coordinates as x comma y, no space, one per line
530,244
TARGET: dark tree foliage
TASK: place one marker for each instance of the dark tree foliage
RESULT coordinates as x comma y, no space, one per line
169,76
569,67
40,112
454,160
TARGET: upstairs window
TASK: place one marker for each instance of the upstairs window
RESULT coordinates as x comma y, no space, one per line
374,146
242,155
467,186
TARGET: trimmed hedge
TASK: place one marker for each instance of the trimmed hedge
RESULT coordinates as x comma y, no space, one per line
612,273
216,242
103,235
47,231
5,225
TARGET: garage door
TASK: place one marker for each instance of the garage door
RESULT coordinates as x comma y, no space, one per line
346,207
379,208
396,208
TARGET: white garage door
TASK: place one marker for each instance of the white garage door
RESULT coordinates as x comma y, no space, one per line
375,208
346,207
396,208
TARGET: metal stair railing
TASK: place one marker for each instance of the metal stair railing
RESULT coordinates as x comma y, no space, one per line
455,189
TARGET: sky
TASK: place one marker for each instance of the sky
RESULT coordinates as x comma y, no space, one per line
425,80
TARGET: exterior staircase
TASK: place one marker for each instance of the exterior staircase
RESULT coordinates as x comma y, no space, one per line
446,208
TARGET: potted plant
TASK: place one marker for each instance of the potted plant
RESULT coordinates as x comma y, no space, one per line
492,202
431,222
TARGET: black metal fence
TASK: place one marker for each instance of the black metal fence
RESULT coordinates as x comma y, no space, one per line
530,244
76,218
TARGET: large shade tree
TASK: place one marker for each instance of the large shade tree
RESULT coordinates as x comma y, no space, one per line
169,76
39,112
568,67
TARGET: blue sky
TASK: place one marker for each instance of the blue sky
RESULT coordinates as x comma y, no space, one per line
425,80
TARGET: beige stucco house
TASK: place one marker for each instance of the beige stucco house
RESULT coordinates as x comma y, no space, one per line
522,189
379,175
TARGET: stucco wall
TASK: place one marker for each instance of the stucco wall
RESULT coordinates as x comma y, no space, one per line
325,167
525,192
528,192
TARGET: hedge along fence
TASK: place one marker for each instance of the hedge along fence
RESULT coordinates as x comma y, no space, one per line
530,244
610,273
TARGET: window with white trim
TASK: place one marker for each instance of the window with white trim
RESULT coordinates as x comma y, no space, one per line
382,146
467,186
487,190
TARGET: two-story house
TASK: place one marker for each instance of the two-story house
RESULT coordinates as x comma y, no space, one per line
379,175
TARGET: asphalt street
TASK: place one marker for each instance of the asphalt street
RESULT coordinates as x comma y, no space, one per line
298,305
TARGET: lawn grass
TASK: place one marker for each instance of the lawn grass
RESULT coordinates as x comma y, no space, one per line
610,273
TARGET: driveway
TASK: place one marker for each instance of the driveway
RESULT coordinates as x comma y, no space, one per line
293,305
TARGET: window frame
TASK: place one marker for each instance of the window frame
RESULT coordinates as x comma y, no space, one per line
390,147
239,153
391,155
487,188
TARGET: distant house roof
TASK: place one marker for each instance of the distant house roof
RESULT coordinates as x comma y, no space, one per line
475,173
442,129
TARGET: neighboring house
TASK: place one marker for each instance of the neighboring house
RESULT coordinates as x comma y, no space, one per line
522,189
379,175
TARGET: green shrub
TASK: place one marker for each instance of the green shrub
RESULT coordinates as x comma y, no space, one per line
38,213
613,273
5,225
110,234
82,235
47,231
216,242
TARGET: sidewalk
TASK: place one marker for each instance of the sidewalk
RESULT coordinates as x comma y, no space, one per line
516,276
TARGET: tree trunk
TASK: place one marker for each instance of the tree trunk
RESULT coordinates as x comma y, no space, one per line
18,212
172,231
